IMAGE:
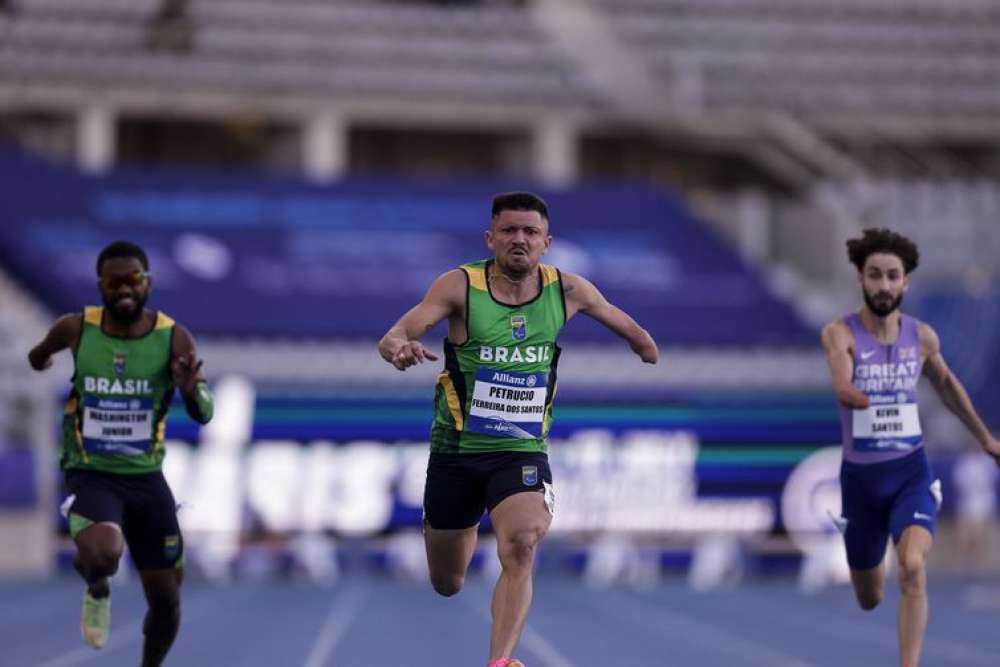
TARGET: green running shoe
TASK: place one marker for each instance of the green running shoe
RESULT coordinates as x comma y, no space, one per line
95,619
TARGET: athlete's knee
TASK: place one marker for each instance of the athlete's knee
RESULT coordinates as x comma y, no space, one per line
447,584
518,550
97,560
912,565
164,598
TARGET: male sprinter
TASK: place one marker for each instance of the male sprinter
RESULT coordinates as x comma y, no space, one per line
127,362
493,402
876,357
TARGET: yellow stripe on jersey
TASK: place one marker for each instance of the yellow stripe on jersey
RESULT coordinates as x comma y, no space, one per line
161,431
477,277
71,407
163,321
547,419
549,274
92,315
454,406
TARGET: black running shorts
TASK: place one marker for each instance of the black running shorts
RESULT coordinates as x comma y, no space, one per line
142,505
460,487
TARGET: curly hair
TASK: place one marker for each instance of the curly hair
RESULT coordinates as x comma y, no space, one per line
883,240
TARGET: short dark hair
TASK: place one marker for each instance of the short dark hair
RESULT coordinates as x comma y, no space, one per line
122,249
519,201
885,241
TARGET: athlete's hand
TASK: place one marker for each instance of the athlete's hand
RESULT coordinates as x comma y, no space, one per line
411,353
184,369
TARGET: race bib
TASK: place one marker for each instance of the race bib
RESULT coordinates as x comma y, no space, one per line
886,425
507,404
119,426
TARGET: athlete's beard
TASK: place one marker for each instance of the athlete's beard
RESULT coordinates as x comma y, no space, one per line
125,317
882,311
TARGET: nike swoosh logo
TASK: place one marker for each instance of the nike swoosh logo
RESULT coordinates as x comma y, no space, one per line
866,355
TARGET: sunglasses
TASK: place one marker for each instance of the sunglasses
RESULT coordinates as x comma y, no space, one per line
134,279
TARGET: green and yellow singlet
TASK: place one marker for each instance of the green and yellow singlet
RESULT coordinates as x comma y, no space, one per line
114,419
496,390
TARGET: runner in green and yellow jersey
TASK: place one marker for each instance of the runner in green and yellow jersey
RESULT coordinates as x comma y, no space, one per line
493,402
127,363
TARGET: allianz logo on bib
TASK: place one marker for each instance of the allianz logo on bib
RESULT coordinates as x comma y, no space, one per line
129,387
498,426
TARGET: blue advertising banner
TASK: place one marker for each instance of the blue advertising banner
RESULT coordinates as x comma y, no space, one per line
246,255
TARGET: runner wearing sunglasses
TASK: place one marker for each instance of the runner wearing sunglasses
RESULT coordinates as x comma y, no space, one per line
127,362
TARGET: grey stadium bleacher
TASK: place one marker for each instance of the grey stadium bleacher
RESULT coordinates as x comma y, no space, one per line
836,63
304,48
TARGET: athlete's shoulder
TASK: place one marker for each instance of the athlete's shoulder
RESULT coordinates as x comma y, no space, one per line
837,334
570,279
454,279
449,288
67,328
926,335
915,321
69,320
181,340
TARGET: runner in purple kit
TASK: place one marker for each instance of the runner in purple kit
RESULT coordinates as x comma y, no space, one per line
876,358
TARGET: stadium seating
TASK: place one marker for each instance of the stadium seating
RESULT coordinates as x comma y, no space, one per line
835,64
302,48
821,61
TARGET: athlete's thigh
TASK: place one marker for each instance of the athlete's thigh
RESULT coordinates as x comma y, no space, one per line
517,473
520,496
449,551
455,491
454,502
151,527
915,505
94,510
866,533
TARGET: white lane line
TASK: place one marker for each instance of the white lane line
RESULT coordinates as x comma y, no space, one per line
543,648
342,612
120,638
531,639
